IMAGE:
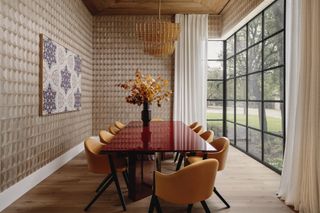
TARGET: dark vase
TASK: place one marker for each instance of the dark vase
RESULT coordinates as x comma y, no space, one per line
146,114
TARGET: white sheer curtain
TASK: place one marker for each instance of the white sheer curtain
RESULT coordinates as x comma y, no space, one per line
300,181
190,90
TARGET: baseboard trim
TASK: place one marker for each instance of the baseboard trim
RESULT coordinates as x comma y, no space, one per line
15,191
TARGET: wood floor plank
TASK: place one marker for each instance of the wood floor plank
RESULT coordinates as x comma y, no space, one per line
247,185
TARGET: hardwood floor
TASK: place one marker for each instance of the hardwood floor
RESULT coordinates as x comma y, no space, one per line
246,184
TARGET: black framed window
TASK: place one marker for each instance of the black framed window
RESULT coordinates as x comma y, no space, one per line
255,86
215,87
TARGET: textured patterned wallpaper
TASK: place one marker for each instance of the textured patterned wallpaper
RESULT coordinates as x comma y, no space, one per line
116,55
235,11
28,141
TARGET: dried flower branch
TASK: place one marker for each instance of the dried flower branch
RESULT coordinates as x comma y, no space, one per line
146,89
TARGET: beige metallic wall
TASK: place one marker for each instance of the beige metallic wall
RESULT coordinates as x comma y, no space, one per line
28,141
117,54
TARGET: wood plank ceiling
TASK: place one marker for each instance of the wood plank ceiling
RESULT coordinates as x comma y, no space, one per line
150,7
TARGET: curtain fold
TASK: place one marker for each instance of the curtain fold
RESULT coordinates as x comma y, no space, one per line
191,69
300,180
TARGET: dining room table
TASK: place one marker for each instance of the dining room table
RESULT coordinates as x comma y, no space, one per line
136,141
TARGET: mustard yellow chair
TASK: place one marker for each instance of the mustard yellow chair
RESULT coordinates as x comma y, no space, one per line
199,130
113,129
222,146
105,136
157,119
194,125
119,125
207,136
105,164
190,185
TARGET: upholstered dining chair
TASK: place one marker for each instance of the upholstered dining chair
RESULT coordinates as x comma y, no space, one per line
105,136
207,136
194,125
119,125
190,185
198,129
222,146
157,119
113,129
105,164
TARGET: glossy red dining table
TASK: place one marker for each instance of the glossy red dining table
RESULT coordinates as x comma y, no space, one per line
158,137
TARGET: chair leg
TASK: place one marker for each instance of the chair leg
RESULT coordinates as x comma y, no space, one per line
107,184
141,169
205,206
189,208
176,157
116,181
103,182
221,198
181,157
152,204
125,177
157,204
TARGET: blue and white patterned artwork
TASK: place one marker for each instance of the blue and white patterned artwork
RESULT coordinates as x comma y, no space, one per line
61,78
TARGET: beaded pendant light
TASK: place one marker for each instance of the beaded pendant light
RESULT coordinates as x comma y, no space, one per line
158,36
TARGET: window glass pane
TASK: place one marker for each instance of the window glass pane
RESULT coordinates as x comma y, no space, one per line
230,46
214,109
274,113
273,51
254,143
230,132
230,89
215,50
241,39
274,18
216,127
241,88
215,69
241,112
273,151
230,111
254,115
241,64
230,68
255,30
215,90
255,58
273,84
241,137
254,86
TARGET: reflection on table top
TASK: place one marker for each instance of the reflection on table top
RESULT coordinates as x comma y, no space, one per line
160,136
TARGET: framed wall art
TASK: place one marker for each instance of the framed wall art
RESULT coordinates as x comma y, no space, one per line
60,78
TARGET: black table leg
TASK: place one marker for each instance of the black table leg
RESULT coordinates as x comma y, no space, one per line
115,178
132,175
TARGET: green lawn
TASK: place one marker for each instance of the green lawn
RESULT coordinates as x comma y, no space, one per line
274,124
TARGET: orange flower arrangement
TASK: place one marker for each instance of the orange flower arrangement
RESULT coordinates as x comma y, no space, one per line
146,89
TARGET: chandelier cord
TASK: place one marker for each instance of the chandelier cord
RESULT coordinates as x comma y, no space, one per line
159,6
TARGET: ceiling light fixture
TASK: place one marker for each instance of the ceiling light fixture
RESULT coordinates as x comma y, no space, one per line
158,36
